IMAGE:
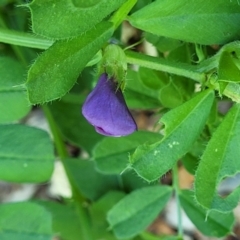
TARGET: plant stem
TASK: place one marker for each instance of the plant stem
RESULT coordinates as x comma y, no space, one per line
60,146
177,191
16,38
120,15
85,224
24,39
161,64
18,52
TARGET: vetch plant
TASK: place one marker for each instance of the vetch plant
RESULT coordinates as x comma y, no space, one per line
118,189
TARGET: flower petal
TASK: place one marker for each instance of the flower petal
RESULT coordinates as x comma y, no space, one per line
106,109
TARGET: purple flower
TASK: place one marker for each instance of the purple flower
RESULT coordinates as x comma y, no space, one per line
106,109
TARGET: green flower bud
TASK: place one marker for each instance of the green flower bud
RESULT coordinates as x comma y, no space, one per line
114,64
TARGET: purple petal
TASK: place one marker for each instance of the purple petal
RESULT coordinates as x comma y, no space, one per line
106,109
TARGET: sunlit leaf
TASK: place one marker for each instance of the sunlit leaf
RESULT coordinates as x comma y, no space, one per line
152,161
220,160
57,19
57,69
192,21
136,211
111,154
213,224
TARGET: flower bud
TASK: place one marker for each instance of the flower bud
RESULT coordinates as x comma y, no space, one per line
106,109
114,64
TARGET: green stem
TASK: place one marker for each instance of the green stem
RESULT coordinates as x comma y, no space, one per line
161,64
62,152
177,192
24,39
18,52
181,69
31,41
120,15
60,146
85,224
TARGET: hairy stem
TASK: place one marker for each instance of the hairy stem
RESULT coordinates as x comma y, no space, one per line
24,39
60,146
161,64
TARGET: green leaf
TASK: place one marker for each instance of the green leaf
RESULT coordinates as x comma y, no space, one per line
190,163
26,154
203,22
152,79
182,53
232,90
179,88
83,171
191,159
57,19
227,70
141,95
140,4
73,125
213,116
56,70
222,87
224,149
152,161
65,220
135,212
131,181
13,99
26,221
98,212
111,154
214,224
150,236
170,95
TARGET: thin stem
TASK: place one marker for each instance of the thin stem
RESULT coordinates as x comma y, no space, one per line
24,39
133,45
177,191
60,146
85,224
161,64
